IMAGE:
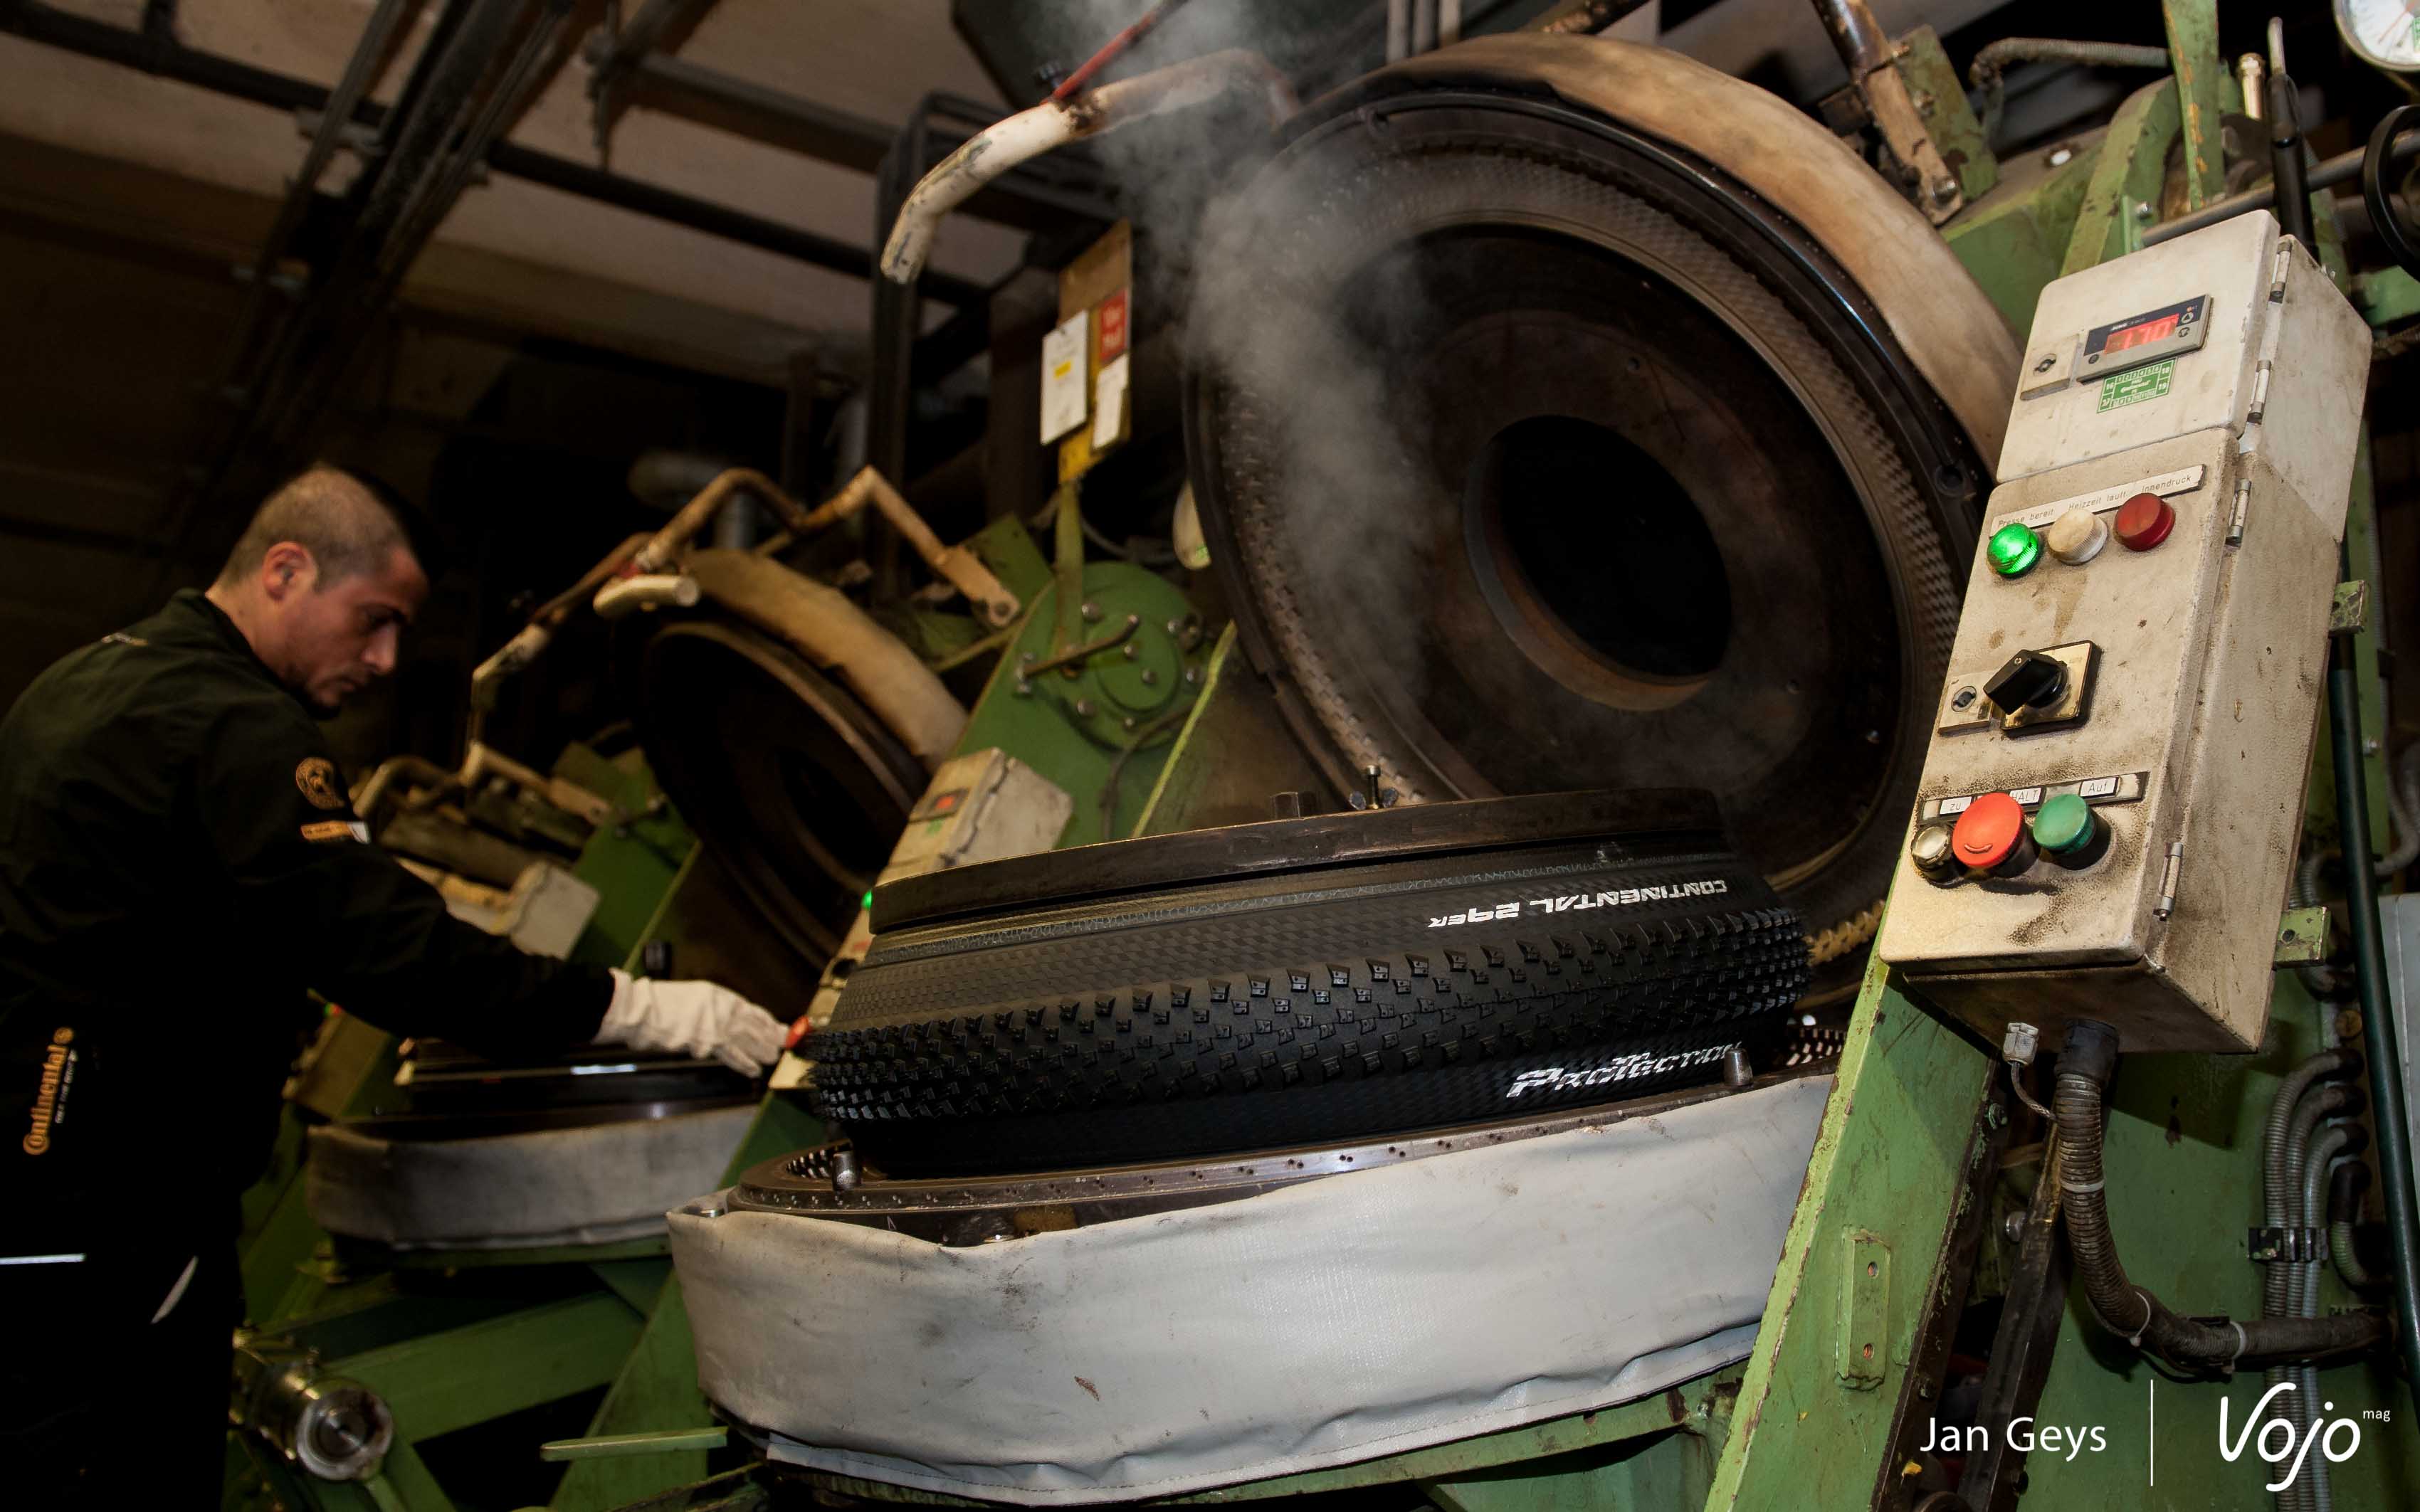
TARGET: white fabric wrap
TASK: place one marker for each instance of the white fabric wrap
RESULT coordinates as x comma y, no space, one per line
597,1184
1337,1321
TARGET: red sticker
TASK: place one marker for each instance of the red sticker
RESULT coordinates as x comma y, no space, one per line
1113,327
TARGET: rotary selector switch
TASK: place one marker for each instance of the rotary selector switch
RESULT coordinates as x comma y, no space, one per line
2030,680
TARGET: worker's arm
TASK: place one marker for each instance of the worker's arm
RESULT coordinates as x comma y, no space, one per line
377,940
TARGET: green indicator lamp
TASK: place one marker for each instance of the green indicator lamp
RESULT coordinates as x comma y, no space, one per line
866,902
2014,550
2068,832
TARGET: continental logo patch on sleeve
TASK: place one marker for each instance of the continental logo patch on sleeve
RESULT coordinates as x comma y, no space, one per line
316,778
328,829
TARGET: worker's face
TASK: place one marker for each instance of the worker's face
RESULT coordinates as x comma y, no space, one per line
335,639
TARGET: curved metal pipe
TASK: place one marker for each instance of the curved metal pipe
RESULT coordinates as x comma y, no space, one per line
1054,123
652,591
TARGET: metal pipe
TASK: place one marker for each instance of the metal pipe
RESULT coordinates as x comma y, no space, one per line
1398,30
52,27
1863,45
1580,18
647,591
2249,73
2325,174
954,564
666,544
2388,1120
1052,124
335,118
1423,26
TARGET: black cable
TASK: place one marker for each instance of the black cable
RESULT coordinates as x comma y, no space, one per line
2221,1347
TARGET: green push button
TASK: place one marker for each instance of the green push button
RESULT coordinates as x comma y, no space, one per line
2063,822
2070,833
2014,550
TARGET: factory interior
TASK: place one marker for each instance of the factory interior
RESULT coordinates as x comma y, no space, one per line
1478,755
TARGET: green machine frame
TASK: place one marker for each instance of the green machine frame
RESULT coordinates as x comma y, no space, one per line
1908,1210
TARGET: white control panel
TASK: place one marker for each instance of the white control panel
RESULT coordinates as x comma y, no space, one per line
2112,800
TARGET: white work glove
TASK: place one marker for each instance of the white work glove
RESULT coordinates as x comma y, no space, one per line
697,1016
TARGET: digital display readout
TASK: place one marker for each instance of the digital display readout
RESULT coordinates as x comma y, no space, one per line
2150,337
2148,331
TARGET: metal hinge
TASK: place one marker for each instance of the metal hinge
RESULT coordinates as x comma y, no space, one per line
2259,392
2167,903
2287,1245
2242,506
2277,273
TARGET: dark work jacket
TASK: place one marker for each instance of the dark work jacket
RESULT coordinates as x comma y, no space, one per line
178,864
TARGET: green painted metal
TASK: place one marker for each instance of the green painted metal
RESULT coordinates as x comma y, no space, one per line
1940,100
621,1446
656,1388
1046,728
365,1257
2387,297
474,1374
2123,193
1553,1450
2014,240
1230,757
2193,56
2184,1179
635,866
1893,1156
1006,547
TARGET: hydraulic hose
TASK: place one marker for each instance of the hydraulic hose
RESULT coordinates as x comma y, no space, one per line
2084,1069
1985,73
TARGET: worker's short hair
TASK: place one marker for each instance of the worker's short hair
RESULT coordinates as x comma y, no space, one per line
348,522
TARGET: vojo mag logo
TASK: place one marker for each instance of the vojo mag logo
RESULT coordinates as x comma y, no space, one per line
2268,1432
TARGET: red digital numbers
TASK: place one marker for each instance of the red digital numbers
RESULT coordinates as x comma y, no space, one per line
2142,335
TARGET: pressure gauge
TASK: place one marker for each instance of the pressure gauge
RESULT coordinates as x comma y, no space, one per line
2386,32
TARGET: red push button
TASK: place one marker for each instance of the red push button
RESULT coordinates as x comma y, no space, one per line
2144,521
1988,831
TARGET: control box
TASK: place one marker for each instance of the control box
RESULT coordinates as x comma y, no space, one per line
2113,796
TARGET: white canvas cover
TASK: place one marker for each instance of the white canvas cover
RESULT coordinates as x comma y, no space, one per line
1316,1325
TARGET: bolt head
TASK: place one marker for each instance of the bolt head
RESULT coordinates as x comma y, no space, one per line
1131,651
1084,708
1090,610
2143,211
1149,677
2013,1227
1192,675
2059,157
1128,722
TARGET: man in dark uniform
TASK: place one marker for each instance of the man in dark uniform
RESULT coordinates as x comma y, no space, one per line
178,862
